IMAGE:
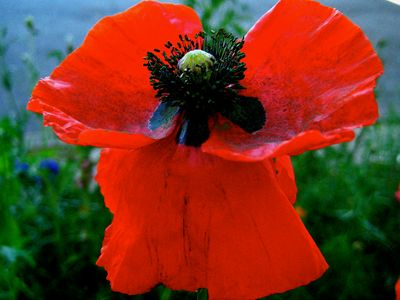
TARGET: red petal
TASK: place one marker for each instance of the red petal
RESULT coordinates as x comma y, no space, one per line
191,220
101,94
283,169
397,288
314,71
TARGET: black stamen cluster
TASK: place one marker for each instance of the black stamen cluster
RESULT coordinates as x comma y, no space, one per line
199,95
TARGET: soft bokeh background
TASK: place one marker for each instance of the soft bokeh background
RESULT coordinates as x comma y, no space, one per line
52,215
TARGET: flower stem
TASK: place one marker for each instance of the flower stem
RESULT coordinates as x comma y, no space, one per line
202,294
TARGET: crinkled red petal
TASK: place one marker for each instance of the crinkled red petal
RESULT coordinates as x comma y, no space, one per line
397,289
101,94
191,220
315,73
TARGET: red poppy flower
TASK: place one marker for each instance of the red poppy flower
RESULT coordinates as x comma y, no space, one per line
202,191
397,194
397,289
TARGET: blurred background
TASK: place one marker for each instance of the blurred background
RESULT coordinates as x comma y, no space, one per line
52,215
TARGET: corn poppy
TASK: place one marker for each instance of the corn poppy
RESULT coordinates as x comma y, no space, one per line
397,194
397,289
199,129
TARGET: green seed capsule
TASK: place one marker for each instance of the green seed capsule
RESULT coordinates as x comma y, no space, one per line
196,61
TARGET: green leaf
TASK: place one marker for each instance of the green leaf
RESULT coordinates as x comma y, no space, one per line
12,255
6,80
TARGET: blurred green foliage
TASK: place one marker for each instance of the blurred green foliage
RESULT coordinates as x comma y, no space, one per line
215,14
52,215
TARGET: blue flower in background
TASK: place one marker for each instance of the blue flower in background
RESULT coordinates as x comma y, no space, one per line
51,165
21,167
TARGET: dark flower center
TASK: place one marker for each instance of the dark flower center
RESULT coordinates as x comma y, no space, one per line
197,79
